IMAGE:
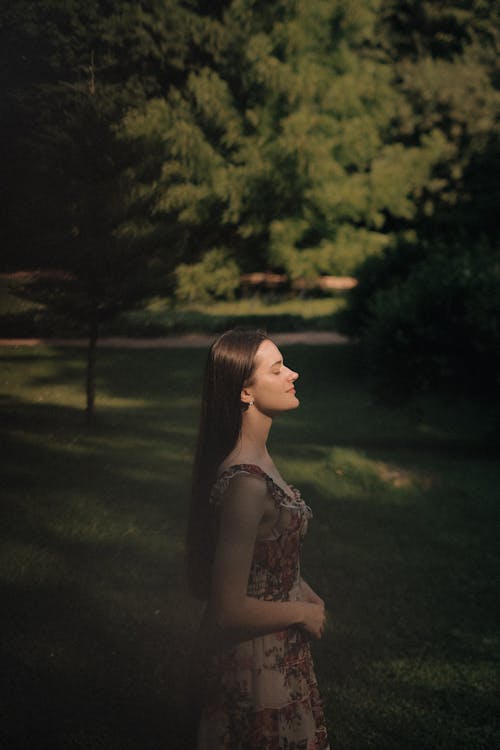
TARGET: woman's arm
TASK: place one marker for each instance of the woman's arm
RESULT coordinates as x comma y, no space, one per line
240,513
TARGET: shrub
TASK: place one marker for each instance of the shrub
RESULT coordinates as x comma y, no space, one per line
378,272
438,326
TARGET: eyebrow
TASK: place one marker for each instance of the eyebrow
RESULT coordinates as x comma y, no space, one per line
279,362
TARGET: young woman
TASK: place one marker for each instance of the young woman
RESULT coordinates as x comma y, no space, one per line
257,685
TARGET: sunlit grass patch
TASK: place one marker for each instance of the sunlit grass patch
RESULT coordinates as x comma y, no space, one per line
161,316
306,308
274,313
348,473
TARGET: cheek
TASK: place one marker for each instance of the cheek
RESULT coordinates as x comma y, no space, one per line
270,387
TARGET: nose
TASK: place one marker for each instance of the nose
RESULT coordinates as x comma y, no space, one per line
293,376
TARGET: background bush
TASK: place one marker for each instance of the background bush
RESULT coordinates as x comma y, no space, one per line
417,320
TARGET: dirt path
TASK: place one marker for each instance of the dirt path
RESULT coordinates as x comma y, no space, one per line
185,340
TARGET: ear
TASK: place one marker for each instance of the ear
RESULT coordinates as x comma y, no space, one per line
246,396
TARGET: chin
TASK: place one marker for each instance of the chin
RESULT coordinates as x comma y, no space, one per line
276,412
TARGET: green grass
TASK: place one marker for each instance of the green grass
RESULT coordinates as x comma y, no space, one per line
274,313
97,624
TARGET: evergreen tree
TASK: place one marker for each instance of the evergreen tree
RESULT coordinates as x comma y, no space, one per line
282,147
92,219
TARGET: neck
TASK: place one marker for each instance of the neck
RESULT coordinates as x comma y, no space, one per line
254,433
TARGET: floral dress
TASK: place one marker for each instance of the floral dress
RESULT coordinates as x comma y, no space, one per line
262,694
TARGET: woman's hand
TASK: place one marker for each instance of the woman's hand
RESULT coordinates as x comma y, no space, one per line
314,618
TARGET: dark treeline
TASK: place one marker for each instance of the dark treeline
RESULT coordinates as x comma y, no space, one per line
358,137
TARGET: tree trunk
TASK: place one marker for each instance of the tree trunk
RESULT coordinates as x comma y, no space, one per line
91,358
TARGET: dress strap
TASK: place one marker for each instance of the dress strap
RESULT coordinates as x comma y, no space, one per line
281,498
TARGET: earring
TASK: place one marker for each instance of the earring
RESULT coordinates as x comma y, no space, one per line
250,403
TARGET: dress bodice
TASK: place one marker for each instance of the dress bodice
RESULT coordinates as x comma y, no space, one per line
275,568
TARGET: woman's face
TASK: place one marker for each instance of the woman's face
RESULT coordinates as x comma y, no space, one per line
272,384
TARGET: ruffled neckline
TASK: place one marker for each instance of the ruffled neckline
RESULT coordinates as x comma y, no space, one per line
285,498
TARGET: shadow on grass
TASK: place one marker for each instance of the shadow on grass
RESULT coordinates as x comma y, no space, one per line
72,678
98,626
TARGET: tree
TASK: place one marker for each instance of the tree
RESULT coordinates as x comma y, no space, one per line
100,237
284,146
427,310
447,62
304,137
96,223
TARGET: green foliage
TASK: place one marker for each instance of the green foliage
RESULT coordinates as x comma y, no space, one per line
448,71
284,143
85,180
416,329
377,273
72,70
306,137
98,238
430,296
216,276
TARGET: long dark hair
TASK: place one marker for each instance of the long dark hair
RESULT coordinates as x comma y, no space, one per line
229,366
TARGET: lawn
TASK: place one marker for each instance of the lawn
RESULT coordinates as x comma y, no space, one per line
162,316
97,623
274,312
